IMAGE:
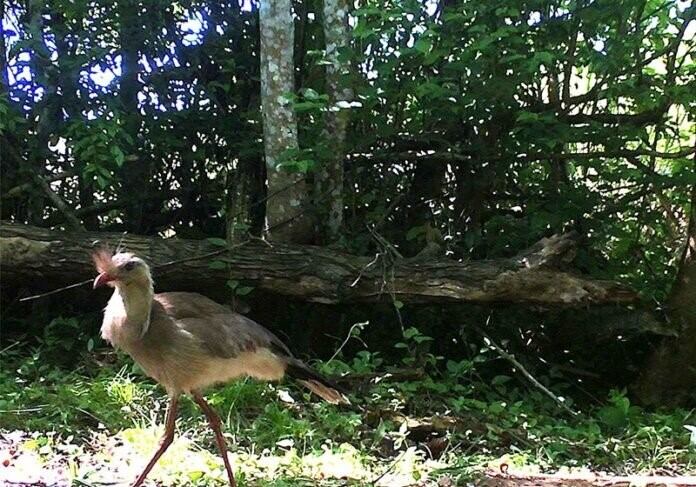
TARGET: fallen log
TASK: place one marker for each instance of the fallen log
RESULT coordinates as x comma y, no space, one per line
36,259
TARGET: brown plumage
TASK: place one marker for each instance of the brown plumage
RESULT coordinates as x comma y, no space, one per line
188,342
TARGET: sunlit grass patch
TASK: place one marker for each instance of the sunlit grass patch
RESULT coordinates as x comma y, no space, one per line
185,461
39,458
104,424
121,457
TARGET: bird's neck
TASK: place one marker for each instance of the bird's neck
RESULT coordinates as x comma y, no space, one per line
137,303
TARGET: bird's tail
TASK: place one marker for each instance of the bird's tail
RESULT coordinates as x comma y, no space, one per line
313,381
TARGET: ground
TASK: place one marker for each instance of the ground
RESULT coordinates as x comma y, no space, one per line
40,460
31,459
92,419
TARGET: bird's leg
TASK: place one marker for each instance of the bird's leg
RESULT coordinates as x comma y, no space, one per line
164,442
214,421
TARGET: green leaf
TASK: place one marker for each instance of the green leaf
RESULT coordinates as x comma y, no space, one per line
500,379
496,408
543,57
512,57
411,332
243,290
414,232
220,242
119,157
217,264
612,416
423,44
195,475
527,117
306,106
310,94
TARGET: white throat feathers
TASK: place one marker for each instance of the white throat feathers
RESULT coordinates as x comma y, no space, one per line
137,302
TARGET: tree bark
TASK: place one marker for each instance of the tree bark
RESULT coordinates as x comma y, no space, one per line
72,104
44,124
286,209
670,376
37,259
328,179
240,200
4,77
135,174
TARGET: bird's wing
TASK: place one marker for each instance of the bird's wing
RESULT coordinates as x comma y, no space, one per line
189,305
220,331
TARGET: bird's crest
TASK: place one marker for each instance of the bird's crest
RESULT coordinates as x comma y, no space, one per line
102,259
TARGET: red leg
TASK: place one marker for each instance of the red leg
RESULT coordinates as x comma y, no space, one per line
214,421
165,442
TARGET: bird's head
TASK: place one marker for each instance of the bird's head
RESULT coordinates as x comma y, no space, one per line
122,268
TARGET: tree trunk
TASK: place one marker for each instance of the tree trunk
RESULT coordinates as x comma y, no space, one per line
329,177
244,196
45,123
286,208
135,173
37,259
4,79
670,376
72,104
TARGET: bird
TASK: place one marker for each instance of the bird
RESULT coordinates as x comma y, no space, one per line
187,342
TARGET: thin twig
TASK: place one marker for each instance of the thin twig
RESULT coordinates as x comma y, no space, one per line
58,202
397,309
389,253
17,190
285,222
391,467
56,291
384,242
84,483
156,266
511,358
260,239
361,324
198,257
22,411
392,206
277,192
120,242
11,345
87,413
364,269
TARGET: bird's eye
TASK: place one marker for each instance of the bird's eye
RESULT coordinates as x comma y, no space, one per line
128,266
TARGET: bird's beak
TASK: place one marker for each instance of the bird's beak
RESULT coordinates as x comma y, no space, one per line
102,279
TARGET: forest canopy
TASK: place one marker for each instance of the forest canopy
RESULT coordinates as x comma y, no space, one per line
492,124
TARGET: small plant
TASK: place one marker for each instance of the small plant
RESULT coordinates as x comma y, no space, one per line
619,413
416,347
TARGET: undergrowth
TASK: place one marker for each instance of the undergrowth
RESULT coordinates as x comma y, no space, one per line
280,430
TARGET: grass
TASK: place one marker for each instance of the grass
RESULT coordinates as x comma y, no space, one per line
100,419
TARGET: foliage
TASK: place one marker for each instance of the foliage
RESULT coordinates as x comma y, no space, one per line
504,94
280,430
504,424
491,123
475,129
